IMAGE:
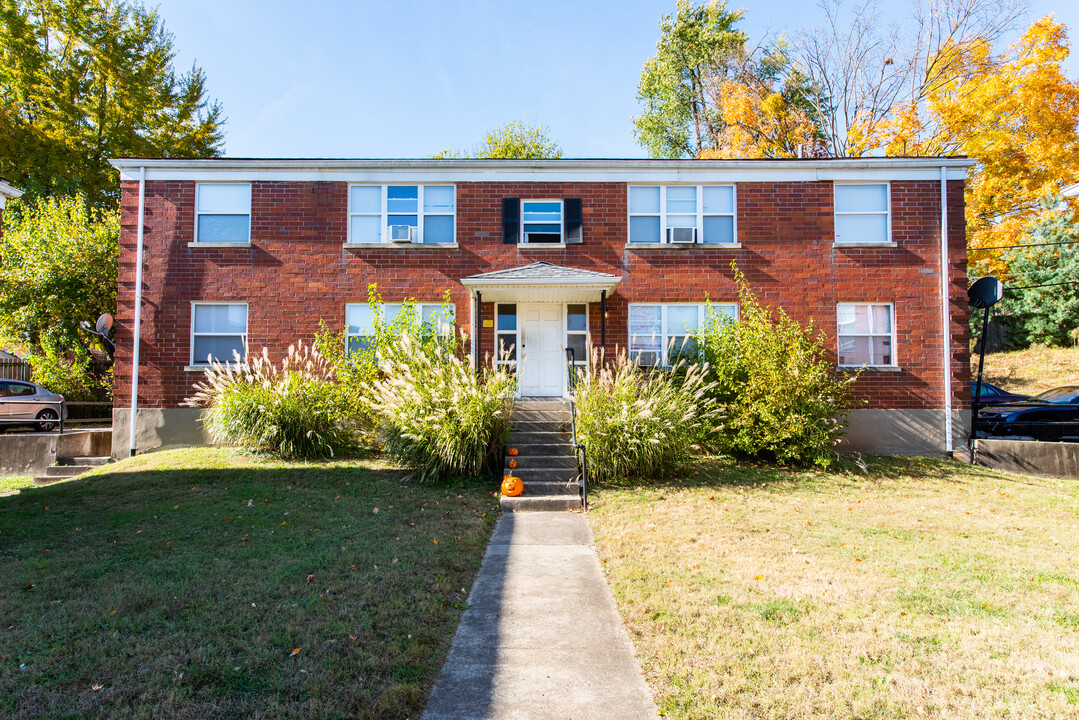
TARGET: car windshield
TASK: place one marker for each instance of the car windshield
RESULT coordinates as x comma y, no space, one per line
1059,396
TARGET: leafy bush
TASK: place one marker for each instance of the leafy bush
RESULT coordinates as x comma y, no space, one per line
641,424
74,374
297,411
780,395
435,413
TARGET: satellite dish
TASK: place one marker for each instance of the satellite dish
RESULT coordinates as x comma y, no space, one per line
985,292
104,324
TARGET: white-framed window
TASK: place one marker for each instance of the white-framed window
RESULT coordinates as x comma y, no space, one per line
862,213
506,336
659,332
402,213
577,333
866,334
360,322
541,221
656,210
218,332
223,212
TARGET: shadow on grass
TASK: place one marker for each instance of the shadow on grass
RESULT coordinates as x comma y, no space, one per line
292,591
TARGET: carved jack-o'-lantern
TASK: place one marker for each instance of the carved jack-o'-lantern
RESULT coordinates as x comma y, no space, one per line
512,486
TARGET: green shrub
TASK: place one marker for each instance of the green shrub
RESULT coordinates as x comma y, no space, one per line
72,374
638,423
297,411
780,395
436,414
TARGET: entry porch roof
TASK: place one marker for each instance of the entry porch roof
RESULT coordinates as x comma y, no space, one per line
542,282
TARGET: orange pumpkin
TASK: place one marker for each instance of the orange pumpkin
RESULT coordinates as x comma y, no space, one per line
512,464
512,486
513,451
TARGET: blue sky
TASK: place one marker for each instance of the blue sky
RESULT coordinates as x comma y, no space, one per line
404,78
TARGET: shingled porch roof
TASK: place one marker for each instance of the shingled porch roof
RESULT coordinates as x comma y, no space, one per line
542,282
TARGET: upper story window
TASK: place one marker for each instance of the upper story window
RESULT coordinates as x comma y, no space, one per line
401,213
218,332
866,334
223,213
542,222
681,214
360,322
658,334
862,213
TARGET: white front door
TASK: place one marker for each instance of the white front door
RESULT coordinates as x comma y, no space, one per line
541,365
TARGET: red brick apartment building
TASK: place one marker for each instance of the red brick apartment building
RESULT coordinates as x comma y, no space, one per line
543,255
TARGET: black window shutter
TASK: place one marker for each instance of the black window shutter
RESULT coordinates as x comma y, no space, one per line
511,220
574,221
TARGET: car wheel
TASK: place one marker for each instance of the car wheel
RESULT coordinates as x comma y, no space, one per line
47,420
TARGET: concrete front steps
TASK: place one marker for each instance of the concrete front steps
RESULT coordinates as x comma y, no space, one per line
70,467
546,463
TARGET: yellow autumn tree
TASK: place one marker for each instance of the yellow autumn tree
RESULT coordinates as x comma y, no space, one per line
759,122
1015,114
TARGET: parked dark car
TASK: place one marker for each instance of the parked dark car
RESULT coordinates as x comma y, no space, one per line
26,403
995,394
1049,416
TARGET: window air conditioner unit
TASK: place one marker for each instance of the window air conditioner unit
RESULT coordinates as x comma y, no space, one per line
401,233
682,235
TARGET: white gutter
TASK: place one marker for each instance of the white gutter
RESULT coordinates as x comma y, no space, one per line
138,314
945,307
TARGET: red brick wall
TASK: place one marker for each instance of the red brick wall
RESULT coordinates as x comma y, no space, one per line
298,271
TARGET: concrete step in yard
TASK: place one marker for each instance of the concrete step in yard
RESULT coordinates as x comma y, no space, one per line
69,468
545,459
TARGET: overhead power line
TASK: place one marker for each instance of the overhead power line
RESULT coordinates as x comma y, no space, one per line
1012,247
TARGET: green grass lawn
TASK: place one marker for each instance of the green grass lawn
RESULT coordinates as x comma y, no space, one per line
925,589
18,482
200,583
1030,371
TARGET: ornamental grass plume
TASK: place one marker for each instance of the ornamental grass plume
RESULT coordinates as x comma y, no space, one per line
642,424
435,413
297,410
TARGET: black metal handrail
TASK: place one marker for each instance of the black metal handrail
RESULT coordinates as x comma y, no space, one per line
579,449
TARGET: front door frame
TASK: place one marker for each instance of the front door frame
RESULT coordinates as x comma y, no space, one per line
562,334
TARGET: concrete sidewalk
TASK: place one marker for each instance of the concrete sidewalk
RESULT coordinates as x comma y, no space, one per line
541,637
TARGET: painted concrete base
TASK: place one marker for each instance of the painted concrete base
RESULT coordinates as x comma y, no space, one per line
903,432
32,453
542,637
156,427
1029,457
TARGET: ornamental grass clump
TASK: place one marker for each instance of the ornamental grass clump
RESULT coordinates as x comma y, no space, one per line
642,424
781,399
297,411
435,413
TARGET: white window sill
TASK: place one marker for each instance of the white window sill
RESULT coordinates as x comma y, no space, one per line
682,246
542,246
401,246
195,368
863,244
871,368
218,245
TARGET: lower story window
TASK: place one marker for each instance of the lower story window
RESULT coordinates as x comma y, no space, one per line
218,332
866,333
660,334
360,321
506,336
577,333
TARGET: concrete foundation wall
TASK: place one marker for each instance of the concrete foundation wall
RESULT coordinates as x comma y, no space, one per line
156,427
903,432
31,453
1029,457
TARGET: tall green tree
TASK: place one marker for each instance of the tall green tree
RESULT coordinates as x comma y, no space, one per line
1047,315
516,140
83,81
680,118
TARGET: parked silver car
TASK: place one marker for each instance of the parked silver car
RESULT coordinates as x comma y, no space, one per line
26,403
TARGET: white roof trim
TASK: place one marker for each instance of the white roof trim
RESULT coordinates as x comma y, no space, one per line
1071,191
8,191
589,170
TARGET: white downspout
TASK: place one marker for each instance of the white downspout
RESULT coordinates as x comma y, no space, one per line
945,307
138,313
